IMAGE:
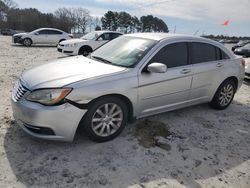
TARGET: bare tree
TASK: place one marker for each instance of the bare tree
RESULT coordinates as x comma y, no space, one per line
77,18
82,18
96,22
10,4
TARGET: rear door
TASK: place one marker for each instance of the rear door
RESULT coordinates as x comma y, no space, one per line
42,37
161,91
54,36
208,65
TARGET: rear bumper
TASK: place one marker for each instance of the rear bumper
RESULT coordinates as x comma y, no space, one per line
47,122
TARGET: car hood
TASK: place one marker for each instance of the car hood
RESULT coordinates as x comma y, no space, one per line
66,71
241,49
20,34
72,41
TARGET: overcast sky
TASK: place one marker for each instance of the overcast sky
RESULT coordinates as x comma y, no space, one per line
188,16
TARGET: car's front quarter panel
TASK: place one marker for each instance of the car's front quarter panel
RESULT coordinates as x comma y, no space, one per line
125,83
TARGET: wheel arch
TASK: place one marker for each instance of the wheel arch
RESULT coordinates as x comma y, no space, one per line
234,78
62,40
125,99
86,47
28,38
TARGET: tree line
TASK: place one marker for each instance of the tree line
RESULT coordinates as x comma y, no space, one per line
75,20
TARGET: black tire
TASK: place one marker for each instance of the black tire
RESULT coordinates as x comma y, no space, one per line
27,42
87,122
220,94
84,51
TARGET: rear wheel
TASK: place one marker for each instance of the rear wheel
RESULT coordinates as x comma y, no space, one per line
105,119
224,95
27,42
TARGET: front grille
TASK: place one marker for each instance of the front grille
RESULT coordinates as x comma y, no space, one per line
16,39
18,91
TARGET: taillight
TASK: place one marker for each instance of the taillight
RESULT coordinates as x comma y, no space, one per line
243,63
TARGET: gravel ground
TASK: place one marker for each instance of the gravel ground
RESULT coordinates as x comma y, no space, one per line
192,147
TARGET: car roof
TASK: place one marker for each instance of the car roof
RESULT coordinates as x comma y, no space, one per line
162,36
173,36
106,31
48,29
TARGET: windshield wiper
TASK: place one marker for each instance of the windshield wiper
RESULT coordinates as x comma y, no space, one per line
102,59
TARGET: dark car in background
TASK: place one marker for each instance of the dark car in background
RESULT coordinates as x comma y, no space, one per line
240,44
243,51
9,32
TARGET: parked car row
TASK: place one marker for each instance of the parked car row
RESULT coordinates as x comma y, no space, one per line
130,77
65,44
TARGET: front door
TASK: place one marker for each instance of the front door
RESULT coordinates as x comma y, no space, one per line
159,92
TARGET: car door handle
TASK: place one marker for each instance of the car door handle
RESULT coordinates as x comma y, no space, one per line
185,71
219,65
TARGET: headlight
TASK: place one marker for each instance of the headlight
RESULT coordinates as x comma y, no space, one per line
48,96
70,45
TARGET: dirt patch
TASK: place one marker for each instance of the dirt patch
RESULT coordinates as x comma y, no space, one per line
204,122
149,133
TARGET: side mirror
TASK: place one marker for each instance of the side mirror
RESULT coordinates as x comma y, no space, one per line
36,33
157,68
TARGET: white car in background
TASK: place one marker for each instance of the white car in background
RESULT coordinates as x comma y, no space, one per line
88,43
247,68
41,36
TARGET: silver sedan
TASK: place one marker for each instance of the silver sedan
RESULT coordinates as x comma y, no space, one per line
131,77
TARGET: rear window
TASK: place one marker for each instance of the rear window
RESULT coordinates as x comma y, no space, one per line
55,32
202,52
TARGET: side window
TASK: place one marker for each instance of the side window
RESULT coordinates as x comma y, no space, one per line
202,52
43,32
114,35
104,36
55,32
221,54
172,55
224,55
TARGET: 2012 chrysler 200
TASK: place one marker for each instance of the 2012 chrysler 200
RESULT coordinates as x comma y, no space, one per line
133,76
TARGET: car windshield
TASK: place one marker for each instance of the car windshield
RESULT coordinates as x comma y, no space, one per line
90,36
124,51
247,46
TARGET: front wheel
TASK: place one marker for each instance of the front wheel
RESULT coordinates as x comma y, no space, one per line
105,119
27,42
224,95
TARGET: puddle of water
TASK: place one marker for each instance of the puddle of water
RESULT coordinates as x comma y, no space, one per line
148,132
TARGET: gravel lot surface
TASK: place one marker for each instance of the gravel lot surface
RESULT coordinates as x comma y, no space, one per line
192,147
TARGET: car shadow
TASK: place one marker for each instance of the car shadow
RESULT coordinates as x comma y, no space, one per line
204,144
34,46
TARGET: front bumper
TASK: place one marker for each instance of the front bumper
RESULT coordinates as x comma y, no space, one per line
17,39
47,122
67,50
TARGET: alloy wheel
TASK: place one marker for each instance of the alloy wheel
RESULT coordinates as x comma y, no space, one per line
107,119
226,95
